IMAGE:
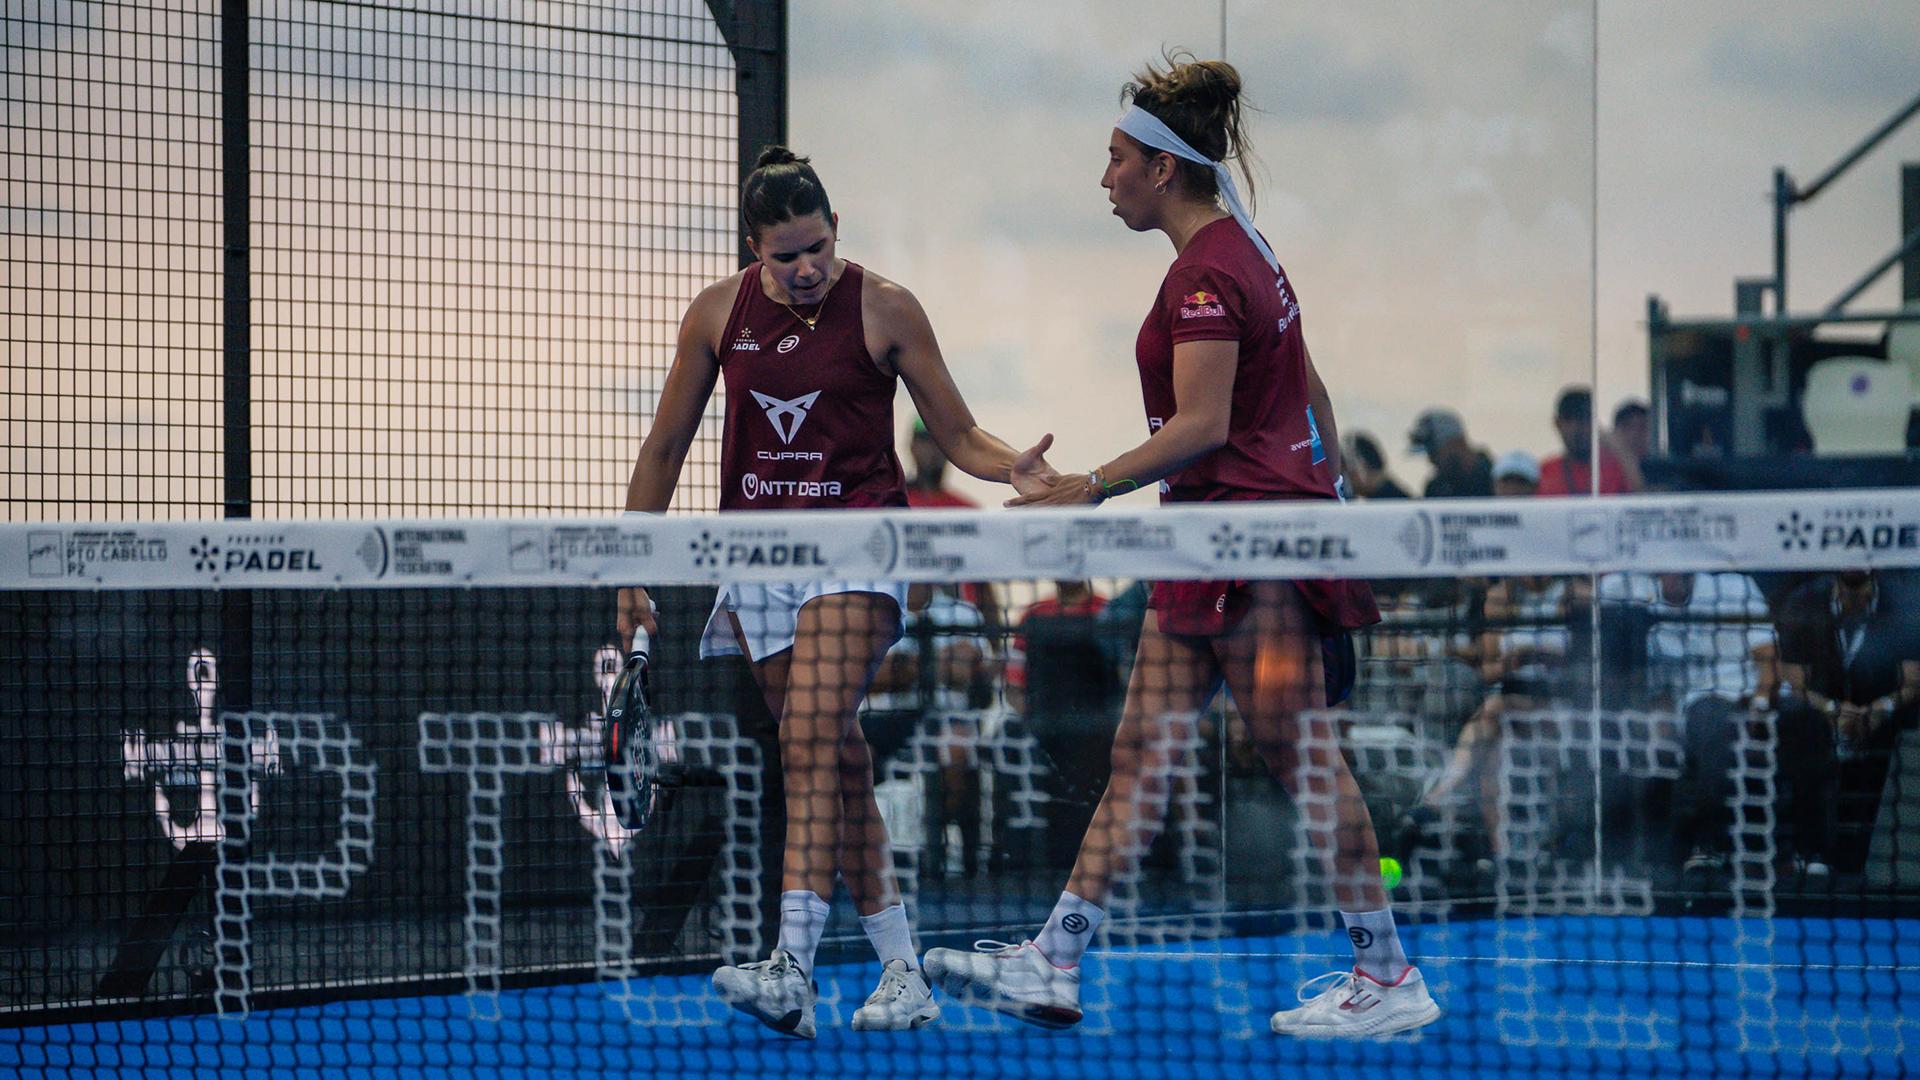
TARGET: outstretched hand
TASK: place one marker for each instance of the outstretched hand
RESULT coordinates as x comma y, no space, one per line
1031,475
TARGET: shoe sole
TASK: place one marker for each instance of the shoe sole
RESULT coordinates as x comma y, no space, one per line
787,1023
1323,1031
916,1022
1050,1017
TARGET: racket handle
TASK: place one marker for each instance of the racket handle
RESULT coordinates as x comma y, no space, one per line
642,645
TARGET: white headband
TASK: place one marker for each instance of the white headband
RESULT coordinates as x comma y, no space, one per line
1147,128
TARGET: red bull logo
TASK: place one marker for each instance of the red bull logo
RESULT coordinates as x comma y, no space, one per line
1201,305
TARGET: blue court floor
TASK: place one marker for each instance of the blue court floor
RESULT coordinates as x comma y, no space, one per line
1620,998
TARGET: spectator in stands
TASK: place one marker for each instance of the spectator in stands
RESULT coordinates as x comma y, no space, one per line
943,697
1063,682
1532,652
1707,650
1460,471
1632,435
1516,475
1571,473
1850,660
1367,469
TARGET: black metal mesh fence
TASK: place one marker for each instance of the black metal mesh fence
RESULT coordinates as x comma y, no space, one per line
471,231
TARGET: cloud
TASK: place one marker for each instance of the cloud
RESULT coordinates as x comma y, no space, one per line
1306,77
1303,75
1851,63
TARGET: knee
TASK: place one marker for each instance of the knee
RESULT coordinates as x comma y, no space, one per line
1281,756
803,750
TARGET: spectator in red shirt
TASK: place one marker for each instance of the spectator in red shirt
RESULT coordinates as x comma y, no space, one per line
1571,473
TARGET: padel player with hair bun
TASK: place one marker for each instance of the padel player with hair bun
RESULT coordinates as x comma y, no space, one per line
810,346
1235,412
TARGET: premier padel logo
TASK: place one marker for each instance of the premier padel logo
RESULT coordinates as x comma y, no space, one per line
1796,532
1228,543
1863,529
754,548
745,342
786,416
243,554
706,550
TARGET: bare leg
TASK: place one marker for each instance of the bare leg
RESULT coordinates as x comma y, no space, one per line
1172,680
837,647
1272,665
863,856
1478,738
866,852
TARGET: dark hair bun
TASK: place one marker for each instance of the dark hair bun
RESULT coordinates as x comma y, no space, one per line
782,186
778,155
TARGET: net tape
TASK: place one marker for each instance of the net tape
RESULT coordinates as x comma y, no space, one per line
1800,530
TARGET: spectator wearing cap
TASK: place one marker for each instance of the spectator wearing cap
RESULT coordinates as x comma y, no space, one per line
1516,474
1367,469
1460,471
1632,435
1571,473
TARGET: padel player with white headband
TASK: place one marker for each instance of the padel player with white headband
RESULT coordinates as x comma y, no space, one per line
810,346
1235,412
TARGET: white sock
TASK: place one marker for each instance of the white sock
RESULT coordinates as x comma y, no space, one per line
1069,929
1376,944
891,936
803,918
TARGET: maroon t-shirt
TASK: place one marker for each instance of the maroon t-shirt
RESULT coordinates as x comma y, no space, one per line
809,417
1221,289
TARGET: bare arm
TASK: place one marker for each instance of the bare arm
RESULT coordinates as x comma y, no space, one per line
656,471
1203,401
915,354
690,381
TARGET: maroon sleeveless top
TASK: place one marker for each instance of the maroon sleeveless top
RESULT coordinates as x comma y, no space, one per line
809,417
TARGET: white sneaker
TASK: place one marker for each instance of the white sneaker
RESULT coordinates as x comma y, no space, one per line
903,1001
1012,979
773,991
1358,1006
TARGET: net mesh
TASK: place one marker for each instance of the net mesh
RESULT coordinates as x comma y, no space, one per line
1640,804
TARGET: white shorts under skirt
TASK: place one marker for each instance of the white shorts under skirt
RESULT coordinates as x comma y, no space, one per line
769,613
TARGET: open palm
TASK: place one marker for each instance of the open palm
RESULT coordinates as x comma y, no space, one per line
1031,475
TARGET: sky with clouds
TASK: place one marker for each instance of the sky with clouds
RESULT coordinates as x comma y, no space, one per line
1433,177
